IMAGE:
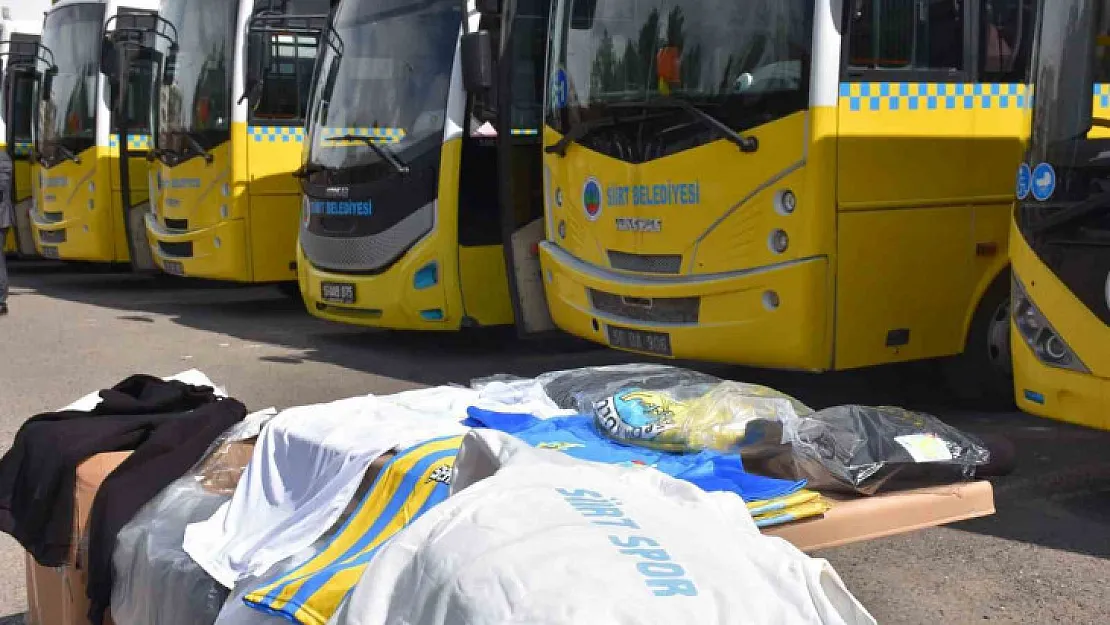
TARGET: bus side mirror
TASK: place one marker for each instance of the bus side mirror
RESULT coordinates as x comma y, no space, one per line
109,60
582,15
48,83
477,61
257,58
169,67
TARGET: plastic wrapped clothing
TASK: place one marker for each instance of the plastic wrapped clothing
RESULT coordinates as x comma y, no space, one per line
859,448
579,437
535,536
721,416
155,580
569,388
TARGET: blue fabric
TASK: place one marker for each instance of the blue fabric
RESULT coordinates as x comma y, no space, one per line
578,437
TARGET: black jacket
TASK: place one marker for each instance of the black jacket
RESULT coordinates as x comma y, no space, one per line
168,424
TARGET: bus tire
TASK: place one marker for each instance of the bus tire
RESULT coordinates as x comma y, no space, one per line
983,376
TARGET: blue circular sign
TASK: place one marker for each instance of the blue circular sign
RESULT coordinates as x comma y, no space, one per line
1044,182
559,89
1024,181
591,198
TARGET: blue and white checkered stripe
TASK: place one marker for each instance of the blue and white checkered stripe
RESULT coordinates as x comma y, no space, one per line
134,142
276,134
904,96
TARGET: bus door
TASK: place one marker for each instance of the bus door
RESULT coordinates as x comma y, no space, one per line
517,78
20,83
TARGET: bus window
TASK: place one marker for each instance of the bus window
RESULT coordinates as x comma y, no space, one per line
1006,39
906,35
284,91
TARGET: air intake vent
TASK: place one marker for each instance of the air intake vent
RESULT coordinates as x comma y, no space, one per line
177,250
177,224
649,310
646,263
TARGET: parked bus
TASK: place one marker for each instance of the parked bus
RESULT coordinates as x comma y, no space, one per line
796,184
19,40
422,176
1060,242
231,132
91,191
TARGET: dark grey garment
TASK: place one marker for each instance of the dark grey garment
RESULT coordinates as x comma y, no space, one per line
3,269
5,191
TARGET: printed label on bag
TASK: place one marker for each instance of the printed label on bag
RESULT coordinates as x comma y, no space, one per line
925,447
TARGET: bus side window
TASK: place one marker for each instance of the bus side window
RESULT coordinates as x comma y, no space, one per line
906,34
1006,39
284,91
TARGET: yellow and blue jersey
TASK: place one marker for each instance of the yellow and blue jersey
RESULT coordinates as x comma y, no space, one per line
410,484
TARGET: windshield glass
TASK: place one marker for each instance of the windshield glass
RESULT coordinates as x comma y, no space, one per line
71,35
1064,186
744,61
19,91
198,101
390,82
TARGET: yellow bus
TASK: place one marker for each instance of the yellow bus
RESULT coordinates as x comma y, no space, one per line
19,41
799,184
90,191
422,171
1060,242
231,132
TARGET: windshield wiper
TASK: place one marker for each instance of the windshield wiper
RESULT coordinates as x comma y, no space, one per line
746,144
65,152
197,148
578,132
1090,207
381,150
308,169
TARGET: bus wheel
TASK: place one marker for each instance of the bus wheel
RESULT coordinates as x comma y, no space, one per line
983,375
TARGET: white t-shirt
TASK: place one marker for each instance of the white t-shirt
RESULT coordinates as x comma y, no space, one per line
310,460
535,536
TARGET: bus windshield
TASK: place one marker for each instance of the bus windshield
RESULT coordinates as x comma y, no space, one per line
1064,186
198,101
746,62
72,35
381,97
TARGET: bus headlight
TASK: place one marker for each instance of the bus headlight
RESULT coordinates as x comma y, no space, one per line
1039,335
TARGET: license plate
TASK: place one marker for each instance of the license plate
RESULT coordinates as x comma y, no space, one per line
49,251
657,343
338,292
173,267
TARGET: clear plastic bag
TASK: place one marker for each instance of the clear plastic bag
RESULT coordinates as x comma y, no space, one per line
156,581
575,388
724,416
858,449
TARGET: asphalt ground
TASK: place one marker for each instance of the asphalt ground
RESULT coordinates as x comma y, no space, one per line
1043,558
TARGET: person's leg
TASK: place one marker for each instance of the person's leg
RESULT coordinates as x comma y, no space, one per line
3,275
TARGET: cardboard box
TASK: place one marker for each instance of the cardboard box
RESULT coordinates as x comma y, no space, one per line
57,596
856,519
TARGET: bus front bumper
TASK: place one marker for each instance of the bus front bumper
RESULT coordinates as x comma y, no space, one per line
217,252
72,238
1055,393
410,295
770,317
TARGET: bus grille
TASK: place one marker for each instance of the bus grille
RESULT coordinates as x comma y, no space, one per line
646,263
52,237
176,250
648,310
367,254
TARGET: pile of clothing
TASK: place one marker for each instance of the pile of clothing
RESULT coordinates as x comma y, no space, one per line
613,494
